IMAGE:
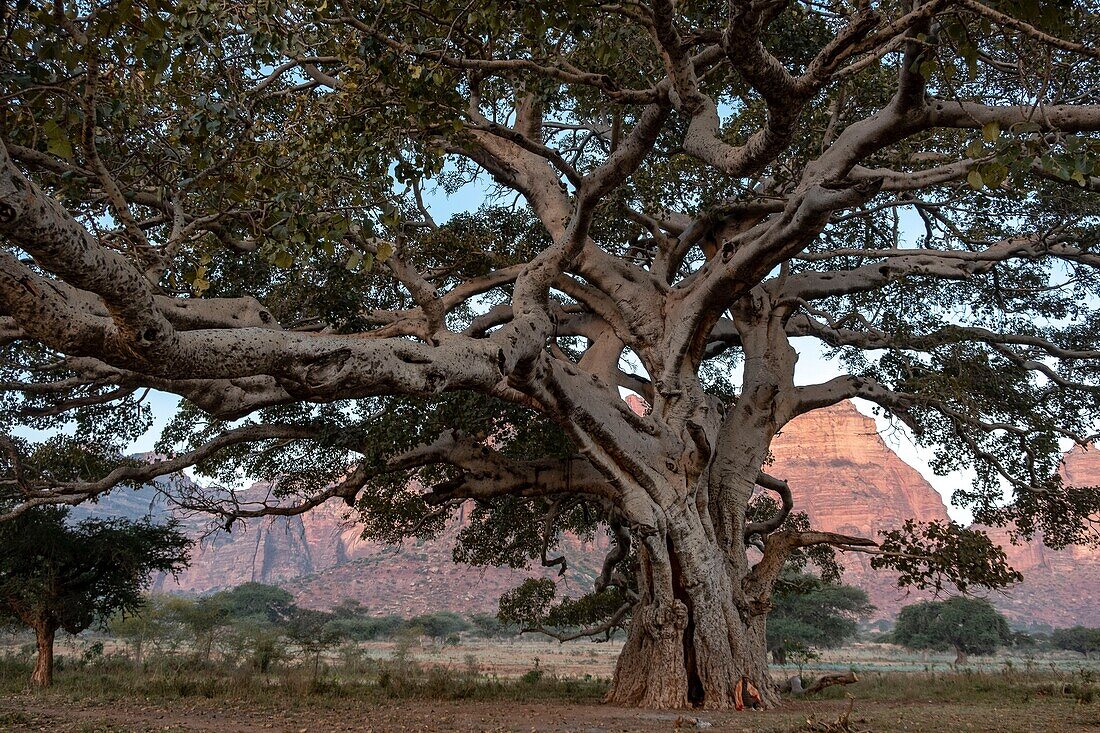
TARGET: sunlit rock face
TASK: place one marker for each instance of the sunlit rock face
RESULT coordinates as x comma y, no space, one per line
842,472
1061,587
846,478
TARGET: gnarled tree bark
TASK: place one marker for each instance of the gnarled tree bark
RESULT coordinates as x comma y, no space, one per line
622,282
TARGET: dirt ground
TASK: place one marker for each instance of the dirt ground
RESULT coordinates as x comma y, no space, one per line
26,712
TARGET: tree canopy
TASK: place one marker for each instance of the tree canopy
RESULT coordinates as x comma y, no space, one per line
1080,639
811,613
967,625
257,599
240,204
54,575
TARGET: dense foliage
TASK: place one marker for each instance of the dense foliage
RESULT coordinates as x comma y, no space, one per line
252,206
967,625
811,613
1081,639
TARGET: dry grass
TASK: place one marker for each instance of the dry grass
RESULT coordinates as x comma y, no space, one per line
489,686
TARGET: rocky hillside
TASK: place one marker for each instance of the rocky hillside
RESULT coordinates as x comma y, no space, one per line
322,559
841,471
846,478
1061,588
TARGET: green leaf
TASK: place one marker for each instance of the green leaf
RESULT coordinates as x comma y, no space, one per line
994,174
975,149
975,179
283,259
154,27
991,131
57,142
385,250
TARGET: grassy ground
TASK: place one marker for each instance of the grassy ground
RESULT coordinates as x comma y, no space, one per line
469,688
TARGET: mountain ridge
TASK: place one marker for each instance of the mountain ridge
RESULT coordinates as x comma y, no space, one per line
840,470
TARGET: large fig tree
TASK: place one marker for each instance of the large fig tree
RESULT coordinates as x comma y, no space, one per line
240,204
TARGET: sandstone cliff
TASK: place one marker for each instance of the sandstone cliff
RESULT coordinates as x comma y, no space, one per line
1061,587
846,479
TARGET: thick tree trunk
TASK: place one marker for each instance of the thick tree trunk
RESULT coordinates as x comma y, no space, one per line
688,645
960,656
43,667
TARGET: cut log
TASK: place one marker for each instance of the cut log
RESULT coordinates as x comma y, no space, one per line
831,679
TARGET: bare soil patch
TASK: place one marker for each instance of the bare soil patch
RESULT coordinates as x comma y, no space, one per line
26,712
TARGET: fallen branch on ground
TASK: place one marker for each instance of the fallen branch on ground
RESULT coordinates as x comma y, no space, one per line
831,679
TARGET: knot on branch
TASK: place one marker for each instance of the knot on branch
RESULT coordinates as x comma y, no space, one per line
665,620
327,369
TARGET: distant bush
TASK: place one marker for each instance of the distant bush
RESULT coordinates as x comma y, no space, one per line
489,626
257,599
1080,639
441,624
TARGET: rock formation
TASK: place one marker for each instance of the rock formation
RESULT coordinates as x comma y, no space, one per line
1061,587
846,479
322,558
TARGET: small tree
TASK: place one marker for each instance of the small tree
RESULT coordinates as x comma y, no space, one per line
1081,639
202,617
257,599
259,641
810,612
489,626
313,633
140,628
59,576
968,625
350,608
441,624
